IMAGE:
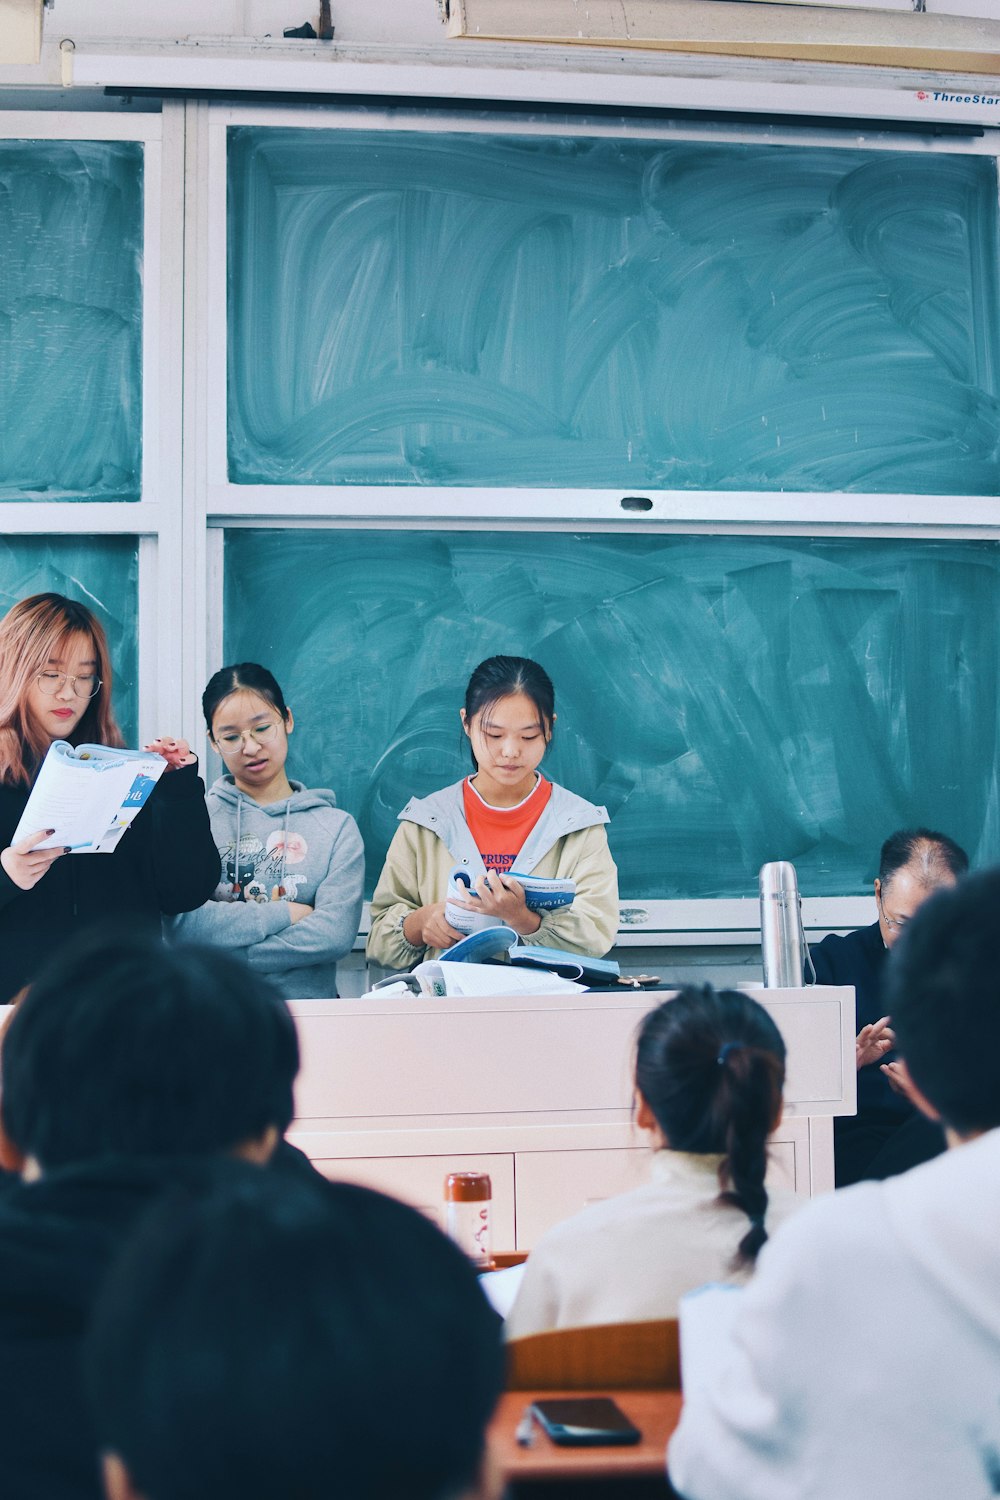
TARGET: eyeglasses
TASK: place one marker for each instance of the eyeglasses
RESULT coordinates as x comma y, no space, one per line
85,685
894,924
261,734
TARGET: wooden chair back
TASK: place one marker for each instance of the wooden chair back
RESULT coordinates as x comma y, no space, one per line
618,1356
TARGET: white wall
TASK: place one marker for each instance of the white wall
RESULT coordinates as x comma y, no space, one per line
413,22
363,21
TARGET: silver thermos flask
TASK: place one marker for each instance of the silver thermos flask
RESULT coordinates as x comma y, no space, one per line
782,940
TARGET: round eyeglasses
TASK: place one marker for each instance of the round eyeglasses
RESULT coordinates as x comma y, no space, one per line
84,685
261,734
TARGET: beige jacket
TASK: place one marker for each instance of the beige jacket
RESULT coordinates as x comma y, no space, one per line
568,841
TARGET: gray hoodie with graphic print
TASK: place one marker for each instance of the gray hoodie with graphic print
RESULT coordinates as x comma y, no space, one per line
300,849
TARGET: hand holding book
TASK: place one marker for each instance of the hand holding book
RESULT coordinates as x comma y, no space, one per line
85,797
176,753
26,863
471,907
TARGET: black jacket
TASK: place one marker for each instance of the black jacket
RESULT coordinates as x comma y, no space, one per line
58,1237
166,863
859,958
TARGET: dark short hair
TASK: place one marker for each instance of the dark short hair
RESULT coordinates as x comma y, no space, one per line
246,677
934,855
943,993
711,1066
122,1045
499,677
269,1338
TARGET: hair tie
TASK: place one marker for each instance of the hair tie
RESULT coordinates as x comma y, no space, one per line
757,1220
725,1050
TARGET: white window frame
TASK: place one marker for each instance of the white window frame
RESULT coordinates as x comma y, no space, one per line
155,518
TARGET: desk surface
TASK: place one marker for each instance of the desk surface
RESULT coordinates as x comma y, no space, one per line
655,1413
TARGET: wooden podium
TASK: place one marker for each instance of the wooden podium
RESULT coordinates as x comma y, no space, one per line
535,1090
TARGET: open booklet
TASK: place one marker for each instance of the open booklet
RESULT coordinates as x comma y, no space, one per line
89,795
541,893
503,943
495,962
436,979
707,1317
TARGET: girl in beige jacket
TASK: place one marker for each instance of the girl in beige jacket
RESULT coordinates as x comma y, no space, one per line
505,813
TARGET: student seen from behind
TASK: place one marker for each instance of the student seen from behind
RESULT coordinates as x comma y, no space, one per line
709,1072
865,1358
124,1067
262,1338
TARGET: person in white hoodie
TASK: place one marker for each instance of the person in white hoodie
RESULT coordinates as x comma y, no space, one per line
865,1359
293,863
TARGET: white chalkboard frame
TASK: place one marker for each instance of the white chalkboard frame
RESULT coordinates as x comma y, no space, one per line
775,511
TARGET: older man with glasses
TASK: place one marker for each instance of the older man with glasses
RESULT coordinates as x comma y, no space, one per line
887,1135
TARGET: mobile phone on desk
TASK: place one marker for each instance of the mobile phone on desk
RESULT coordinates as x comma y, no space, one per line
585,1421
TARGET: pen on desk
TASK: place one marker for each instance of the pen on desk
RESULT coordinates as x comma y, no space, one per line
524,1433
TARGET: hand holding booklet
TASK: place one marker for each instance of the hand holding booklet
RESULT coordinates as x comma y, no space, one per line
88,795
541,893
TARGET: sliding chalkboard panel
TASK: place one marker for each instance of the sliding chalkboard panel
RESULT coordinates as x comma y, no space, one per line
457,309
100,572
70,320
731,700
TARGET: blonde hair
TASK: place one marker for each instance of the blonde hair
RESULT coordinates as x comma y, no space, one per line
32,633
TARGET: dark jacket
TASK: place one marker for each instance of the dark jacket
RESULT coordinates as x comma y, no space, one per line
887,1135
166,863
58,1236
859,958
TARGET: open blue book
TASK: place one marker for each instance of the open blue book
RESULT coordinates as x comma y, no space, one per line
504,943
541,893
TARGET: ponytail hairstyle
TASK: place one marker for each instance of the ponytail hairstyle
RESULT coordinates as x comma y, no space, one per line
32,633
499,677
245,677
711,1066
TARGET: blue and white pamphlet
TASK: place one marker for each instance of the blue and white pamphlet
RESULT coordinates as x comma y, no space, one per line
89,794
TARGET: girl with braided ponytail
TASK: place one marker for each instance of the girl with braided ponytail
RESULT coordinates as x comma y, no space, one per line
709,1071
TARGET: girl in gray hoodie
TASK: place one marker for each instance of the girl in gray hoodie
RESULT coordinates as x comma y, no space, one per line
292,862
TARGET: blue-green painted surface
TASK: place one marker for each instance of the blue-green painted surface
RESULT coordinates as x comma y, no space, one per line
419,308
70,320
731,700
103,574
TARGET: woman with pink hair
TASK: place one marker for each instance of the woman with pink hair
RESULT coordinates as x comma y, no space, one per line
55,684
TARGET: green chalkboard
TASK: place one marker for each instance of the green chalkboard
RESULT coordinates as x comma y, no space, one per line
103,574
70,320
731,700
415,308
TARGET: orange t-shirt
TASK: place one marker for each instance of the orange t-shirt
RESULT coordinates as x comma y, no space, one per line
500,832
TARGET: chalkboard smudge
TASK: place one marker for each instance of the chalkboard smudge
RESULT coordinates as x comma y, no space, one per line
70,320
411,308
731,699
